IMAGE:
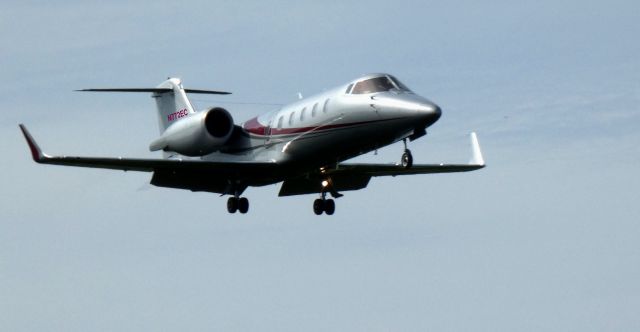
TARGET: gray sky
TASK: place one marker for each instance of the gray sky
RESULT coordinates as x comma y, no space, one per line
545,238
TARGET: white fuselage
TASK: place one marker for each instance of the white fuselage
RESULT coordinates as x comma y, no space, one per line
332,126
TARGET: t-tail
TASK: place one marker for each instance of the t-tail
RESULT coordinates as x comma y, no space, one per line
171,100
182,129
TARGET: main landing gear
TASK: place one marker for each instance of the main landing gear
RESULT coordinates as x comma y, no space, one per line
324,204
236,203
407,159
327,206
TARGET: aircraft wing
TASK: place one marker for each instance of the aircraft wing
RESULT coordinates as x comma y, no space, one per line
146,165
395,170
212,176
476,162
350,176
357,176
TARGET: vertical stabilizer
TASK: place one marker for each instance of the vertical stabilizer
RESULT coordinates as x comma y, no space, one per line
173,104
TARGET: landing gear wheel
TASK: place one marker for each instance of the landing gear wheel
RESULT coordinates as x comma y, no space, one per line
232,204
329,207
318,206
243,205
407,159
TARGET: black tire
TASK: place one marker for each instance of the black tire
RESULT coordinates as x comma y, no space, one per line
232,205
329,207
407,159
318,206
243,205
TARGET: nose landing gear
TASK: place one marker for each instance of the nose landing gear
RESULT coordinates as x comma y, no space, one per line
407,159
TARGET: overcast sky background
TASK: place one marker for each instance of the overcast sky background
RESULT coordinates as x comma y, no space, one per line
546,238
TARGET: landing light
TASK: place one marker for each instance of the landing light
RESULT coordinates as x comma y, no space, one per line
325,183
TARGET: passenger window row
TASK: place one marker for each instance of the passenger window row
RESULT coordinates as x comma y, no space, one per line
315,109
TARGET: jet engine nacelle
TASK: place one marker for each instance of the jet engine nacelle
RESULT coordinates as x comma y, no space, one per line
198,134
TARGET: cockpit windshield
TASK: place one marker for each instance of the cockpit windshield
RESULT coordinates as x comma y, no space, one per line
399,84
378,84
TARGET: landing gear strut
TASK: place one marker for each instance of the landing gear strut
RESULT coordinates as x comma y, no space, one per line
238,204
407,159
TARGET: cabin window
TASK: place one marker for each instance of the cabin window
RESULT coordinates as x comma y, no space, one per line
314,110
324,106
302,114
280,123
291,118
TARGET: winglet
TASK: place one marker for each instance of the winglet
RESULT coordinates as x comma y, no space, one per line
36,153
476,154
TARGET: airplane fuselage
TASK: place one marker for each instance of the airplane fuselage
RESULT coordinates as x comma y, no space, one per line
333,126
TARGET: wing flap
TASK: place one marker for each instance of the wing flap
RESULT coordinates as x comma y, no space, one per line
339,182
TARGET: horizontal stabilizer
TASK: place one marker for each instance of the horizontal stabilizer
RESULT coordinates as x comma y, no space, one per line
155,90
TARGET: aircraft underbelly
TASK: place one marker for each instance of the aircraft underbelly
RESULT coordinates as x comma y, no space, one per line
337,145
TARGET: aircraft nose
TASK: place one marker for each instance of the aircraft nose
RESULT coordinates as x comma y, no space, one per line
430,110
411,106
434,109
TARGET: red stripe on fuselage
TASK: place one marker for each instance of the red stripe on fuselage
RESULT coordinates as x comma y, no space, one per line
254,127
